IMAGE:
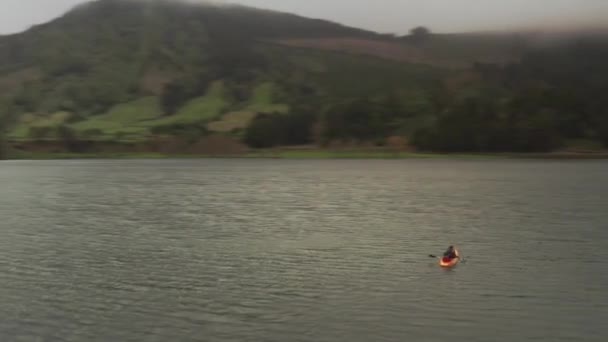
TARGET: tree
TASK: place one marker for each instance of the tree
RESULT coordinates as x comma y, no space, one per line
28,99
359,119
269,130
603,128
39,132
420,34
178,92
69,139
266,130
174,96
299,126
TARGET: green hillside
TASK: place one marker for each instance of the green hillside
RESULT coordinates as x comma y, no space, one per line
136,72
126,69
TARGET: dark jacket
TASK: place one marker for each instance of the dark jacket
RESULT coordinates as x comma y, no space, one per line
450,253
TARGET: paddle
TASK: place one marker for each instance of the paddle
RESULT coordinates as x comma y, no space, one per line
436,257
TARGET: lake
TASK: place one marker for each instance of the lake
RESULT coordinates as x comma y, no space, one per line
303,250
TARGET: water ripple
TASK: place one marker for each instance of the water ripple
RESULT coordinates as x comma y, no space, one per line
247,250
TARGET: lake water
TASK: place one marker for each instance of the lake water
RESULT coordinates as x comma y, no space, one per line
288,250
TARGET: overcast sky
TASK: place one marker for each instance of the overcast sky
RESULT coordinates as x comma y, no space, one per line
390,16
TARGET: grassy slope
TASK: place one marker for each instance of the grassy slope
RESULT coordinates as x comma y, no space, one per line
263,100
336,75
28,121
130,120
201,109
231,122
134,120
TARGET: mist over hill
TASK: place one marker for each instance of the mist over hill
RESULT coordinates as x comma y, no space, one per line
135,72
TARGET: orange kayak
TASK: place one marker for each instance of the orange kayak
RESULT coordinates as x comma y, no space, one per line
447,262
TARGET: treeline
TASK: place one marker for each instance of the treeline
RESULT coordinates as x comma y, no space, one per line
552,97
358,120
277,129
485,125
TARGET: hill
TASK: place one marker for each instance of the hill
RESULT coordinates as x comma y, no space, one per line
454,51
141,75
128,70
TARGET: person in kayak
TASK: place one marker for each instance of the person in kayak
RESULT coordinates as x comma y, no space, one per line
450,253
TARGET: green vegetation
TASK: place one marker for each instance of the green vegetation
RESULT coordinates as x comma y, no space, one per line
262,100
306,154
537,105
268,154
124,120
38,127
231,122
135,72
466,49
199,109
269,130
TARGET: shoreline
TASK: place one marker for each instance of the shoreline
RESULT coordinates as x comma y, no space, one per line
310,154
